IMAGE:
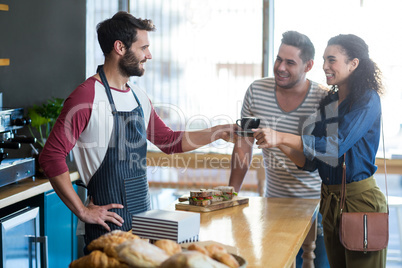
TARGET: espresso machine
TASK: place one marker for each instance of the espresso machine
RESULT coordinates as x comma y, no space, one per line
13,169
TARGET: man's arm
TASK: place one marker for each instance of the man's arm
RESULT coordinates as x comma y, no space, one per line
90,214
240,163
195,139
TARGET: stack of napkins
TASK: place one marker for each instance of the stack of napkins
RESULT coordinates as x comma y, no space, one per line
179,226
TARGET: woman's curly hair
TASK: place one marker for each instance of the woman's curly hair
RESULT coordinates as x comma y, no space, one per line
367,75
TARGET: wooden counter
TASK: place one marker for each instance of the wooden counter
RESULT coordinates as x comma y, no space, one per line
268,232
393,166
198,160
27,188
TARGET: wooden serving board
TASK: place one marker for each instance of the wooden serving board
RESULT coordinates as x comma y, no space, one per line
215,206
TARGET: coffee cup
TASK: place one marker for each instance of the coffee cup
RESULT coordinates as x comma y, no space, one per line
248,123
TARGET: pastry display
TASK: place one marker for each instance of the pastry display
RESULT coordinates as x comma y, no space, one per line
124,249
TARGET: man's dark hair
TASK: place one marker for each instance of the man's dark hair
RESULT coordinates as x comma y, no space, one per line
122,26
301,41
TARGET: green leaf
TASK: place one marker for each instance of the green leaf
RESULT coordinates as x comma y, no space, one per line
36,119
44,117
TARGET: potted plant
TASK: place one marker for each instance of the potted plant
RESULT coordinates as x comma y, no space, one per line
43,117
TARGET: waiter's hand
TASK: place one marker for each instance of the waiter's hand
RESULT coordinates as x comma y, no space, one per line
100,215
228,132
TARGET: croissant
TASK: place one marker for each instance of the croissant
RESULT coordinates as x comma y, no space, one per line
215,248
110,249
114,237
226,258
97,259
198,248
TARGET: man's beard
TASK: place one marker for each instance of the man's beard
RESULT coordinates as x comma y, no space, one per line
129,65
290,84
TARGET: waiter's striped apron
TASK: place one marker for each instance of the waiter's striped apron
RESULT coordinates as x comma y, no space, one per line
121,178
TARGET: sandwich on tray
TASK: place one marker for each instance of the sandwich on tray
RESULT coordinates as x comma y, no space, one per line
205,197
227,192
200,198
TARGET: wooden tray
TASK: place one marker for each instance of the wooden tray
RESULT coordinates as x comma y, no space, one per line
215,206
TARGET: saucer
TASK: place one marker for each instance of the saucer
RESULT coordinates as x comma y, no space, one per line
245,133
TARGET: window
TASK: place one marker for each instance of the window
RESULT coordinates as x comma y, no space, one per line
205,55
97,11
207,52
377,22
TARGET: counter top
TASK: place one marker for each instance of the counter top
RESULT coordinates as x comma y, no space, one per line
268,232
27,188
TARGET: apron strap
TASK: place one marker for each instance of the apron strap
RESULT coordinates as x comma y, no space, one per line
108,92
106,85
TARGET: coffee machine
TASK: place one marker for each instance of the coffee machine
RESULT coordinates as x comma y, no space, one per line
13,169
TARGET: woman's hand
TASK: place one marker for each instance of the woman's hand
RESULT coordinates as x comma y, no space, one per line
291,145
267,138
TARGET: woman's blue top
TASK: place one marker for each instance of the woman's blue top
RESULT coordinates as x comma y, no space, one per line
351,128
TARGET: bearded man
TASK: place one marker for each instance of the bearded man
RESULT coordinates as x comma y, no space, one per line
106,122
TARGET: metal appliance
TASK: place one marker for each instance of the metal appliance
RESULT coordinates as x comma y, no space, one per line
21,245
13,170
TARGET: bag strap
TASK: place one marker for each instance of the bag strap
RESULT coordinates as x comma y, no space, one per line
343,186
385,162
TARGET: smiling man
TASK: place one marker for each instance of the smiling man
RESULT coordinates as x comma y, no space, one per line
106,121
283,103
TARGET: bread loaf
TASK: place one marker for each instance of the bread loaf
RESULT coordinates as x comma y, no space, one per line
226,258
114,237
169,246
215,248
216,252
138,253
97,259
198,248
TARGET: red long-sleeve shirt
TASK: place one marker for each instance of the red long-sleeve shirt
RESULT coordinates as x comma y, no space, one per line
85,126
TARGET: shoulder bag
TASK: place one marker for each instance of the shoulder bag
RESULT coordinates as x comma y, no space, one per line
363,231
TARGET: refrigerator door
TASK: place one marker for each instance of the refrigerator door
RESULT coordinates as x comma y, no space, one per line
18,248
